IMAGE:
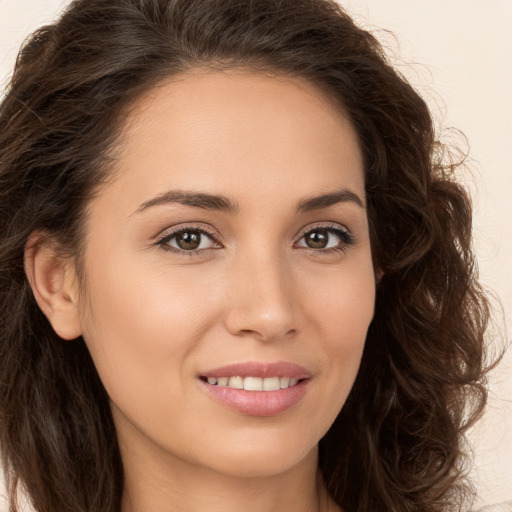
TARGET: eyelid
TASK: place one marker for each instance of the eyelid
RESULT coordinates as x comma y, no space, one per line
349,238
164,236
328,225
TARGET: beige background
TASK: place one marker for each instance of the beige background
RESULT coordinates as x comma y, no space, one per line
458,54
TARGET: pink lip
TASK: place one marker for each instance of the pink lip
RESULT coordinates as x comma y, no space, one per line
257,369
258,403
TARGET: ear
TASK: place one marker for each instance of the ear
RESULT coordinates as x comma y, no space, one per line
54,283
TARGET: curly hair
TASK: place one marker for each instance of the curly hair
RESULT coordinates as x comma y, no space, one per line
398,443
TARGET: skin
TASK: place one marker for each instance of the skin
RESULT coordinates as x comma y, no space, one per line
154,319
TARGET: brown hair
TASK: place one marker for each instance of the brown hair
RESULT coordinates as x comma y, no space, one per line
397,443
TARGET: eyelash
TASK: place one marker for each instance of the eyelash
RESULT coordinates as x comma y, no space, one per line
163,242
346,239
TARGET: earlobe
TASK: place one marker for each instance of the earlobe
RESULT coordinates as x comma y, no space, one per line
54,285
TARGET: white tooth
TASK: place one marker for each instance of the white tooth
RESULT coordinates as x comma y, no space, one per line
271,384
212,380
293,381
284,382
253,383
222,381
236,382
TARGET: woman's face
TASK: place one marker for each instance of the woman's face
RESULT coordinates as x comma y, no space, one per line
231,249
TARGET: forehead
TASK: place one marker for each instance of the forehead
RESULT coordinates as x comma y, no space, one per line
229,130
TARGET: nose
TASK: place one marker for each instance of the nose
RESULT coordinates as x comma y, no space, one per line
262,302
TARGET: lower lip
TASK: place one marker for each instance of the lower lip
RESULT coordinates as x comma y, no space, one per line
258,403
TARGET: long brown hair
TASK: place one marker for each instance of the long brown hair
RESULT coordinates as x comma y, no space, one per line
398,442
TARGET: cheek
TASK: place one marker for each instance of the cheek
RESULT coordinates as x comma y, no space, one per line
342,301
141,322
340,308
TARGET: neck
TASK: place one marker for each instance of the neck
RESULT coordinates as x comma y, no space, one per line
176,486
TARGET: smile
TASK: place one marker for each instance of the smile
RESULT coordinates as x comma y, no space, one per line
254,383
257,388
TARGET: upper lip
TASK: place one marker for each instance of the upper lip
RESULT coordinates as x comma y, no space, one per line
260,369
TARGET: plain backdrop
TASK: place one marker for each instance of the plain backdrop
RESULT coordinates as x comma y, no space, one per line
458,55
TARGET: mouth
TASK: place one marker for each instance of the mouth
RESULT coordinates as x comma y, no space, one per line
253,383
257,389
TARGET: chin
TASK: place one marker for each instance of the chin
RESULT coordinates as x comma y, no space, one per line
259,460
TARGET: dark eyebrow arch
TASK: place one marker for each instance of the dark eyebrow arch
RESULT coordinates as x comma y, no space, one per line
196,199
326,200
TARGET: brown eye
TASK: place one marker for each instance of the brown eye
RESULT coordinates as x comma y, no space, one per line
317,239
320,238
188,240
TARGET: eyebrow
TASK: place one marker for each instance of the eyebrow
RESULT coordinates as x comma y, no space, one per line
196,199
223,204
324,201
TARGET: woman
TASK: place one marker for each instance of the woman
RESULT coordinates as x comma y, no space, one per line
236,270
